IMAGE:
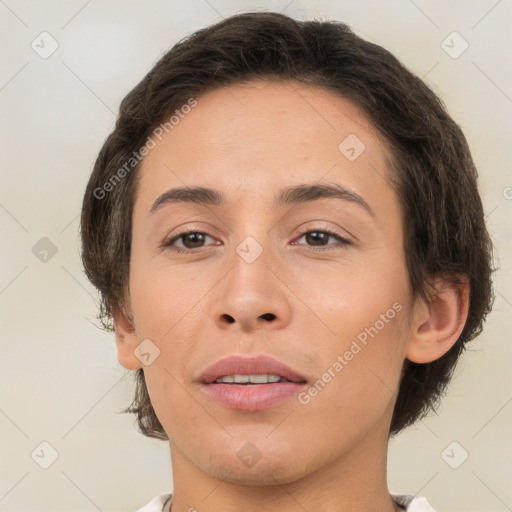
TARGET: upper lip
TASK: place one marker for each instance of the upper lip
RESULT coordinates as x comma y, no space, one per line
243,365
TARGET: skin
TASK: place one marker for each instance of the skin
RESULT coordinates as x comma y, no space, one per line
248,141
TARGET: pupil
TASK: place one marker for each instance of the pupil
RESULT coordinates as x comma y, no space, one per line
191,236
316,236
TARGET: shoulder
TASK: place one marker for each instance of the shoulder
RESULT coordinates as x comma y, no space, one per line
413,504
157,504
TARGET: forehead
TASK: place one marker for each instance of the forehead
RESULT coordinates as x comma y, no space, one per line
247,140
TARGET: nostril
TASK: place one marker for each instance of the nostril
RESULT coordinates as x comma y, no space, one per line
268,316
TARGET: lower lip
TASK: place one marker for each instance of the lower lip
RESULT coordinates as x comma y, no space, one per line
252,398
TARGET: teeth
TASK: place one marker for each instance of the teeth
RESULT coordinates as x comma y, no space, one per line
252,379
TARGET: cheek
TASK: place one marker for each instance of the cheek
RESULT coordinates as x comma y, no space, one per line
165,304
165,298
357,386
344,298
360,314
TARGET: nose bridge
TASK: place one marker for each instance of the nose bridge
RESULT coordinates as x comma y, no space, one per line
254,238
250,267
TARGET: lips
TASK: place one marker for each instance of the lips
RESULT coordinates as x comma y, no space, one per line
259,365
255,397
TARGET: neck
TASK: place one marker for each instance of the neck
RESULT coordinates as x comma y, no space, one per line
355,480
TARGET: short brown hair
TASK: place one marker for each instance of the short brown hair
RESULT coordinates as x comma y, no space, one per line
433,172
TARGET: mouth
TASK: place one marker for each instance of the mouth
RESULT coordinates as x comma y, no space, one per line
251,384
253,380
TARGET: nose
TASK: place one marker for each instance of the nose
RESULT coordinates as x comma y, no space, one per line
252,295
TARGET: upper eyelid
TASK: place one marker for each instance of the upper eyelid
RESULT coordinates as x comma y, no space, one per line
302,231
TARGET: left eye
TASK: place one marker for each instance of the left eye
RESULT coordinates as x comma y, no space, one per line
318,237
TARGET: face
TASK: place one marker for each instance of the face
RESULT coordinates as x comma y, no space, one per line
317,282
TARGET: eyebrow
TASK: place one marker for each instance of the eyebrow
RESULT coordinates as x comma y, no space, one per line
295,194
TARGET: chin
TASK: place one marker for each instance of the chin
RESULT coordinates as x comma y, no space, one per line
265,469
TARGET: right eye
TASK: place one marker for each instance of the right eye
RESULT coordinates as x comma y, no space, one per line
188,237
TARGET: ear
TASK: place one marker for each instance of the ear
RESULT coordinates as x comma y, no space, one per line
126,340
438,324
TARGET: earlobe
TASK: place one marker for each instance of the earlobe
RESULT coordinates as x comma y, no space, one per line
126,340
438,325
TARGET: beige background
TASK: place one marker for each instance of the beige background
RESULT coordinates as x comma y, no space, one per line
60,381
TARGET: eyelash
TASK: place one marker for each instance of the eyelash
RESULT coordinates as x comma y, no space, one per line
169,241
